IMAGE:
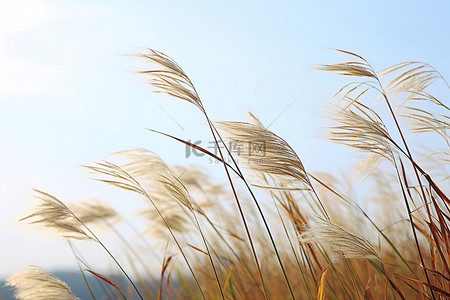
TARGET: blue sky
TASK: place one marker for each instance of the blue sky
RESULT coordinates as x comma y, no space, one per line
69,94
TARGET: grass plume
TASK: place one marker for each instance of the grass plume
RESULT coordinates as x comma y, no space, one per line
225,240
37,284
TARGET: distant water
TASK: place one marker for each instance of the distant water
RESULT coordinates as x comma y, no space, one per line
76,283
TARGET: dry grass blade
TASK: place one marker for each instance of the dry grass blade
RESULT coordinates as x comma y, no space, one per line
334,237
432,287
169,78
320,289
165,265
361,128
105,279
265,152
52,213
197,249
37,284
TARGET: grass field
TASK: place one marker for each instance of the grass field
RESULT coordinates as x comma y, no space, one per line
273,229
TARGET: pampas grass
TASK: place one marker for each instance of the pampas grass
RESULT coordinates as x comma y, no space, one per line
334,237
301,236
265,152
37,284
54,214
169,78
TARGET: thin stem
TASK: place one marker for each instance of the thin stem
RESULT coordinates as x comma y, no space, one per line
259,210
415,172
255,257
81,270
368,218
412,224
209,254
115,260
293,249
176,241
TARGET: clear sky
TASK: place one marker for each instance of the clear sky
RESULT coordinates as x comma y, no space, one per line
69,94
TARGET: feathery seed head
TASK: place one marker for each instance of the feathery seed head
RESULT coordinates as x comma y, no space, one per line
347,244
360,127
37,284
168,77
93,210
266,152
52,213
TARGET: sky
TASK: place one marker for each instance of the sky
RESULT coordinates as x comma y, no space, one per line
70,95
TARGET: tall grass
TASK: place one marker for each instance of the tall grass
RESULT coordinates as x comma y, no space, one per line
275,230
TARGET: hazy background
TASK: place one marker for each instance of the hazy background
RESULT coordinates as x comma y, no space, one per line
69,94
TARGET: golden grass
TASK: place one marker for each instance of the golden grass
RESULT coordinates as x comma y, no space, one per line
307,238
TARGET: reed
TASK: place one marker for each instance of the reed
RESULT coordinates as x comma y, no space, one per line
274,230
